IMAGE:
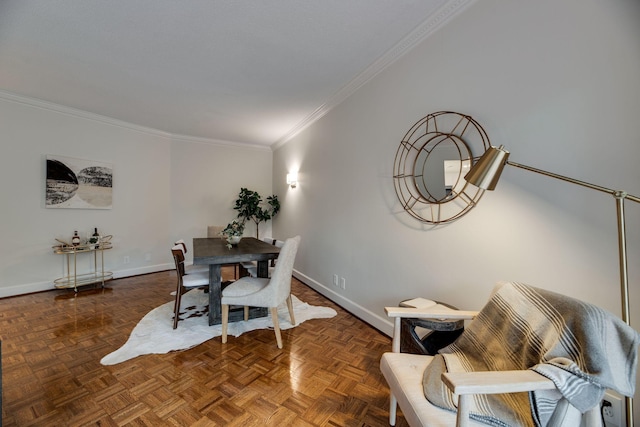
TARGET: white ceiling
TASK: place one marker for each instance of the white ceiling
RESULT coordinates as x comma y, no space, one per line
248,71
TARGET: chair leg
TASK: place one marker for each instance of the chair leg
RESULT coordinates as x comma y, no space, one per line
176,307
393,406
290,306
225,322
276,326
246,313
464,401
592,417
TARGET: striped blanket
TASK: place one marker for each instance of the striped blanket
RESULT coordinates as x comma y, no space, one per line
583,349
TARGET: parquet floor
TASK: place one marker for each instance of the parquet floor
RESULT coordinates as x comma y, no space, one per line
52,342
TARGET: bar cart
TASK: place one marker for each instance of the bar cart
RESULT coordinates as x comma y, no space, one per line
74,279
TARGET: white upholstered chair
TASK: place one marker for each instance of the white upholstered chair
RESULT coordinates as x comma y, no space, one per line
191,268
185,281
214,230
554,339
263,292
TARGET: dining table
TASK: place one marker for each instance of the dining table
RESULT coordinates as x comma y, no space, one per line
215,252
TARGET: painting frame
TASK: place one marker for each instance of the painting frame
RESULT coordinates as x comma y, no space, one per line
72,183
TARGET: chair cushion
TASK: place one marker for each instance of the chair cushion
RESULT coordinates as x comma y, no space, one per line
244,286
195,280
403,373
200,268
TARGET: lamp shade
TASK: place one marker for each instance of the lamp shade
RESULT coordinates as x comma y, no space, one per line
486,172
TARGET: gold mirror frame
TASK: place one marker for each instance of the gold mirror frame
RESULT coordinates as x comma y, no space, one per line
433,141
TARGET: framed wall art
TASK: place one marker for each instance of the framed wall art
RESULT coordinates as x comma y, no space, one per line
78,184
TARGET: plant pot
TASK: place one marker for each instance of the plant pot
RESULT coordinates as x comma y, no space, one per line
234,240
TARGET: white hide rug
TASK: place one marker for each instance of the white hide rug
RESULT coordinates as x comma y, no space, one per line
154,334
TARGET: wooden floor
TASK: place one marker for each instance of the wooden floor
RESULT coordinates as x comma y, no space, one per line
52,342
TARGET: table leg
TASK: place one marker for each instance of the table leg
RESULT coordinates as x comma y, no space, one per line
215,294
263,269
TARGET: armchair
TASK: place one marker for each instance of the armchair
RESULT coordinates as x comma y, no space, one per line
562,352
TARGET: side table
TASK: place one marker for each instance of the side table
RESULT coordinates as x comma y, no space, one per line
432,334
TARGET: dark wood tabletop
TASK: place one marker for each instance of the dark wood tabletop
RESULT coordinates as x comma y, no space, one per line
214,250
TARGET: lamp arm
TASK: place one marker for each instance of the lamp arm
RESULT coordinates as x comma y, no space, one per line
615,193
632,198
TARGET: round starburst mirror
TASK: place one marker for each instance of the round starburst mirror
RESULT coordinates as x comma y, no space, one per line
430,165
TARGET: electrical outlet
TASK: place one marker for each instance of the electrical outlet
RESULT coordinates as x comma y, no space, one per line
612,411
126,260
343,283
147,257
335,280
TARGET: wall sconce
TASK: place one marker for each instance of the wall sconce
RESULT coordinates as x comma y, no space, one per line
292,179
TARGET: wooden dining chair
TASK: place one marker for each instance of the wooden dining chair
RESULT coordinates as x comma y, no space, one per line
263,292
185,281
192,268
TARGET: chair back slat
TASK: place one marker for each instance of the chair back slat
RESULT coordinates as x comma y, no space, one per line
178,257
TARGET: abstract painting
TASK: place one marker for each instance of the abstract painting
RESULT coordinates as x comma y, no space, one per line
78,184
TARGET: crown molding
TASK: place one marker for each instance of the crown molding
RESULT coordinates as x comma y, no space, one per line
209,141
69,111
418,35
74,112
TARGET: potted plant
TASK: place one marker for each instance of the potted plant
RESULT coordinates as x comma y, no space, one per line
233,232
251,207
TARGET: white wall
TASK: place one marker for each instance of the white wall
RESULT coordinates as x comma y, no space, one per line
557,84
164,188
205,182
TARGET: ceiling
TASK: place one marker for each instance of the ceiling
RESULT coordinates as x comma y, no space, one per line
242,71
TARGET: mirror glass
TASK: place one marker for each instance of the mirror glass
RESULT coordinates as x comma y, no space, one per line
440,167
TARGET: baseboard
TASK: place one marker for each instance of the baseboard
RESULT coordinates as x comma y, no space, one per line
382,324
29,288
143,270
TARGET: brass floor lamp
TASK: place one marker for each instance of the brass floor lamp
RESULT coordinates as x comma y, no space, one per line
486,173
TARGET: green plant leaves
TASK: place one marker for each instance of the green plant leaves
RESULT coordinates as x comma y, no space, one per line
250,206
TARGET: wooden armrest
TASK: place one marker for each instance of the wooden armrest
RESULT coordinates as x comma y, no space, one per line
434,312
493,382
